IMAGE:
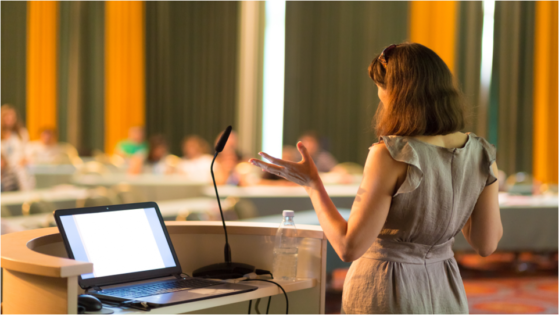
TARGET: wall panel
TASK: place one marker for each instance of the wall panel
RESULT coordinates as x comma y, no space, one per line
329,46
14,28
191,69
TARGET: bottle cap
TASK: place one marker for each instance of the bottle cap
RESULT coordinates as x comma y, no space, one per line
288,213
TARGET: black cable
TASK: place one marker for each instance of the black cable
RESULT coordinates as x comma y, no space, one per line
279,286
249,306
257,306
268,308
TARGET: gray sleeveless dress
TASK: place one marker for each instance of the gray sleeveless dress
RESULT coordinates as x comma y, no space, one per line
410,268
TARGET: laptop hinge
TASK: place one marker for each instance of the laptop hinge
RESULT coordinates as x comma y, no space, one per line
94,288
178,276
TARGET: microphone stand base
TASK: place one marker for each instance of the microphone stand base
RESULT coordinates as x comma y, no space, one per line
230,270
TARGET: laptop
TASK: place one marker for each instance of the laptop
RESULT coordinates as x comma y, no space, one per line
133,257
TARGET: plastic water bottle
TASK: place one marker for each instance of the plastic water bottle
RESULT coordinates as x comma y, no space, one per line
286,249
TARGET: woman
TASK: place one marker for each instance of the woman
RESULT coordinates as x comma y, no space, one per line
422,183
14,140
9,180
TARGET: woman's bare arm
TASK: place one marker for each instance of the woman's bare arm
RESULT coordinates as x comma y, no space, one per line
484,228
349,239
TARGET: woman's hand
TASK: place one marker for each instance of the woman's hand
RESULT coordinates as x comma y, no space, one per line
303,173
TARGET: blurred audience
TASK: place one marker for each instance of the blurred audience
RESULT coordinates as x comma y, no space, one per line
46,150
9,178
196,160
134,145
14,140
324,160
155,159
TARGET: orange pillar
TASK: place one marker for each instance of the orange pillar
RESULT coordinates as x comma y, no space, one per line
124,70
433,24
42,41
545,92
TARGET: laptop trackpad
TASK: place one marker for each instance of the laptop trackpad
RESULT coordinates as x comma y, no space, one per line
193,294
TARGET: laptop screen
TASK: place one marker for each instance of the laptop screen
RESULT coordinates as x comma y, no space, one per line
118,242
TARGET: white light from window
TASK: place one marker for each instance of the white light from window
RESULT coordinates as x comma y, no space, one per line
487,43
274,71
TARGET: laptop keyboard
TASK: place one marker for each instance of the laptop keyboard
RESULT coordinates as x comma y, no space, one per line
156,288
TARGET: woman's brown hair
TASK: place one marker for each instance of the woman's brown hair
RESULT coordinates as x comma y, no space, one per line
423,99
17,126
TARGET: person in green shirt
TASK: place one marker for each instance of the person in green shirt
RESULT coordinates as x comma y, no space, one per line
135,144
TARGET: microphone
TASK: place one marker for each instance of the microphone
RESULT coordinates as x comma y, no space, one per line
227,270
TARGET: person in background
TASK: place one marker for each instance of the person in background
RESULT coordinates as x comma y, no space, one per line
9,178
14,140
227,160
46,150
324,160
155,159
196,159
134,145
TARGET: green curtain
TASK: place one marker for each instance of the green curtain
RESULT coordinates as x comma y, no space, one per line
191,69
81,75
468,62
329,46
14,36
510,115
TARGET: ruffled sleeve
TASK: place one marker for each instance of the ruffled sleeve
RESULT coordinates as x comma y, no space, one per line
401,151
489,156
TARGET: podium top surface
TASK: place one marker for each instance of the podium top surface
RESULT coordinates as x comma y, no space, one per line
19,249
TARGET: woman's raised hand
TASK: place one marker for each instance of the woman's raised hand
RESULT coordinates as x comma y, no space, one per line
303,173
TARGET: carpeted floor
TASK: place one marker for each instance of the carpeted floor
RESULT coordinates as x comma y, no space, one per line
505,293
512,295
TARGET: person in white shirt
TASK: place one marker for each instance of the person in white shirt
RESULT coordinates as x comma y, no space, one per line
196,161
46,150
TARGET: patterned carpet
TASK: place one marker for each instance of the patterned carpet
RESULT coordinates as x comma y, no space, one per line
502,295
512,295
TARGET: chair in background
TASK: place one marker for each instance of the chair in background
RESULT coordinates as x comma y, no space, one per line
112,162
172,163
96,197
92,168
122,193
69,155
6,212
242,208
189,215
36,206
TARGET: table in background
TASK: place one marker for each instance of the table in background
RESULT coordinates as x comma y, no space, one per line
51,175
270,200
169,209
147,187
62,197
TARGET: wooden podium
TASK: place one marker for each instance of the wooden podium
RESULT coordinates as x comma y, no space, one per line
38,278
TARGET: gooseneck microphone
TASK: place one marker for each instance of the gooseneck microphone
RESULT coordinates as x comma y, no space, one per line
227,270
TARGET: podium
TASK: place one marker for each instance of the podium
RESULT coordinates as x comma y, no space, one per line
38,277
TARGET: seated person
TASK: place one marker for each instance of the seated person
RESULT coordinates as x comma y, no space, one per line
155,159
196,160
324,160
46,150
9,181
134,145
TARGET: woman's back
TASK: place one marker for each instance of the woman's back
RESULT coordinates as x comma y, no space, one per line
441,188
410,268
